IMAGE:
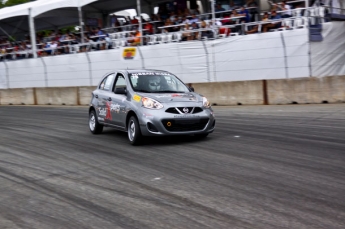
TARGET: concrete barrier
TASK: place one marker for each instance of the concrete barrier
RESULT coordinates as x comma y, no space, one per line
18,96
57,96
232,93
85,95
307,90
282,91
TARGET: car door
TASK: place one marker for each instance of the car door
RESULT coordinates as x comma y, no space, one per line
103,95
118,102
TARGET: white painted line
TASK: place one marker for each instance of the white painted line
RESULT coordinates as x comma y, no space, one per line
157,178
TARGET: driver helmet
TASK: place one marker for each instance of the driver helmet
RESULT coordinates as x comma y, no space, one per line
154,83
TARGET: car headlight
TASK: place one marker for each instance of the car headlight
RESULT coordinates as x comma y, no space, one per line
205,102
151,103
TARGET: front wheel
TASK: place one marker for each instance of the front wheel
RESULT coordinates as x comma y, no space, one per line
95,126
134,134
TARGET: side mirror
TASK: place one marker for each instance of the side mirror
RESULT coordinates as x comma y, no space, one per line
121,91
191,89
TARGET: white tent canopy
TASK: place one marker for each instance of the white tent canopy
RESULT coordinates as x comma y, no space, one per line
48,14
39,7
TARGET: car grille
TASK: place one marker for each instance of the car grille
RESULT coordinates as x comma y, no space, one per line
180,110
177,125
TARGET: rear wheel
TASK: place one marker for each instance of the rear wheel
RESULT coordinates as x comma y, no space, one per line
133,129
95,126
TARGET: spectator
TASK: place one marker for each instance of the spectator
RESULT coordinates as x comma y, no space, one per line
273,25
194,19
197,10
186,12
53,47
256,28
109,42
286,10
172,16
185,20
176,28
244,12
254,11
226,20
232,5
149,28
195,26
219,8
187,35
205,33
234,17
168,23
137,38
236,20
135,21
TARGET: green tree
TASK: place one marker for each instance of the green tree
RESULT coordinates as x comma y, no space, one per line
13,3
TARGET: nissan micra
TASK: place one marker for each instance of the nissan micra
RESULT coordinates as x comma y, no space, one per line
149,103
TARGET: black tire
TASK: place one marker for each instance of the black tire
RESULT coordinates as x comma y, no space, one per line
133,131
94,125
201,136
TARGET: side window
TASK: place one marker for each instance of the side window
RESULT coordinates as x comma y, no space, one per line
101,86
120,82
107,82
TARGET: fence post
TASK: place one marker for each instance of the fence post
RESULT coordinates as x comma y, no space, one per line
309,46
207,62
265,93
7,75
141,57
285,56
45,72
90,67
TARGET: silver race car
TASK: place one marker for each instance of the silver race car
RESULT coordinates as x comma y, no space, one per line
149,103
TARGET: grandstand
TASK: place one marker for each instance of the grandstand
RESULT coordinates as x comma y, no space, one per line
228,44
171,23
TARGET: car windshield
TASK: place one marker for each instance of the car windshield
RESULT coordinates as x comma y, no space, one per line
157,82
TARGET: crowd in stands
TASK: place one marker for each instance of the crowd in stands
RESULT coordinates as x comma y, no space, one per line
190,24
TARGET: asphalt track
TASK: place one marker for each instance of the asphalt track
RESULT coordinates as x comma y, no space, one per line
264,167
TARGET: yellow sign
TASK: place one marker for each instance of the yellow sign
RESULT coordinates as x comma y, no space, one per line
136,98
129,53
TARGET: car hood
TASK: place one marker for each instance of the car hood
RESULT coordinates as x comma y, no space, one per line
173,97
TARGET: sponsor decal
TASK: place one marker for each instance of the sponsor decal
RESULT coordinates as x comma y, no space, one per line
108,110
102,111
149,116
129,53
136,98
190,97
186,116
178,95
115,108
136,74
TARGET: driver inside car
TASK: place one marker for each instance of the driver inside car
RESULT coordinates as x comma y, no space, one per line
153,83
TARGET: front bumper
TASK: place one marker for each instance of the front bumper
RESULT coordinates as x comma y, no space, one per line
159,122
